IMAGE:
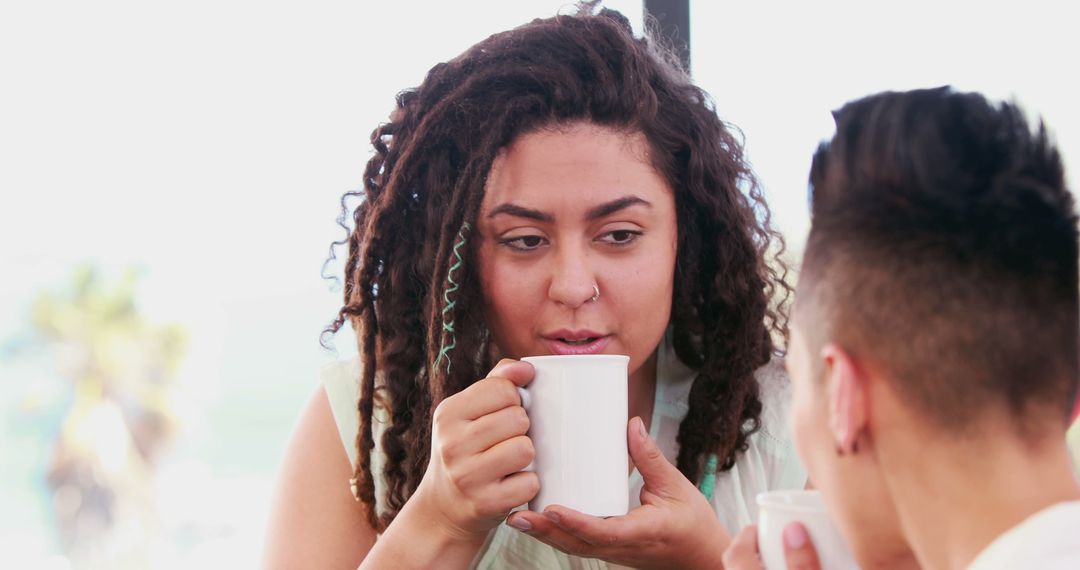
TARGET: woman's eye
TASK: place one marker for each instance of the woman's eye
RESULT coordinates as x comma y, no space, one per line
524,243
620,237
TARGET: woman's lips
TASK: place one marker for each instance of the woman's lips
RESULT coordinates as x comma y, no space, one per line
594,346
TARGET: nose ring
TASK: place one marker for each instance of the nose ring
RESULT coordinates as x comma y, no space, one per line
596,293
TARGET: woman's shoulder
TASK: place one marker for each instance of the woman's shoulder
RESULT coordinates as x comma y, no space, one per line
769,461
773,440
341,380
342,371
774,391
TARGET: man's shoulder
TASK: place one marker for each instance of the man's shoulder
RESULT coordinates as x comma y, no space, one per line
1048,539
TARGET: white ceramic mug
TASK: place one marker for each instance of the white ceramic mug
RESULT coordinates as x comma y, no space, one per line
776,509
577,408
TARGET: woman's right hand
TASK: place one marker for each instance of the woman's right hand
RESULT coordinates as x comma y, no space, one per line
478,450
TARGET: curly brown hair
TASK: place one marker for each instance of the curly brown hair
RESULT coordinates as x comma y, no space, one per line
423,188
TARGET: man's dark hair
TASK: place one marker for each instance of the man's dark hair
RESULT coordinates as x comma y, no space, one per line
944,252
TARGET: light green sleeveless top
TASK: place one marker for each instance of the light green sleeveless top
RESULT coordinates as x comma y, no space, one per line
769,463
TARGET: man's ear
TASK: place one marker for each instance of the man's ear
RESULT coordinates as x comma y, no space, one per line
847,389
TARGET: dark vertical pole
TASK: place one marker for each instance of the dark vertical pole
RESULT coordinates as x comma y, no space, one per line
673,19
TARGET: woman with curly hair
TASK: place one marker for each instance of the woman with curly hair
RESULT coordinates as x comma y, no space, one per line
558,188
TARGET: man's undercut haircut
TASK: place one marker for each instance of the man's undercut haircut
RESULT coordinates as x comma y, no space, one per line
944,252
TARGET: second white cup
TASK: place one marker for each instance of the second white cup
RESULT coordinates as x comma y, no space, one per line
577,408
776,509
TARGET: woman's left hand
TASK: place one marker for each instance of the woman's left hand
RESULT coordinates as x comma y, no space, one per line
674,527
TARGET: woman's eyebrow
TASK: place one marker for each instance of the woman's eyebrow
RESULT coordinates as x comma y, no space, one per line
597,212
613,206
511,209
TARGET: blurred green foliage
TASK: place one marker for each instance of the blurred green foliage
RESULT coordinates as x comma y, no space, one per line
121,369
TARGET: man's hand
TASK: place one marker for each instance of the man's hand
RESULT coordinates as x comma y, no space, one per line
799,552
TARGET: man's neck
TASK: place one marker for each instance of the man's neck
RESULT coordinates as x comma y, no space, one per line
897,560
954,498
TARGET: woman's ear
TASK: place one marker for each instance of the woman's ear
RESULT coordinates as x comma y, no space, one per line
847,390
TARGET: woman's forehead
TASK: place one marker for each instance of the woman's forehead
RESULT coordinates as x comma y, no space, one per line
573,165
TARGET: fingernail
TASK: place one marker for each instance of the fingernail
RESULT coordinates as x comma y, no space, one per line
795,536
641,429
520,523
553,516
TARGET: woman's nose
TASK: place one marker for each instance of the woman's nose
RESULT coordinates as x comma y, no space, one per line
573,281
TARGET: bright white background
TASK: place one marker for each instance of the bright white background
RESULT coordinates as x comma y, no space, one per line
777,69
208,142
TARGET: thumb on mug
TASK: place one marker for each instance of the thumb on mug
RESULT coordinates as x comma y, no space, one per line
655,469
799,552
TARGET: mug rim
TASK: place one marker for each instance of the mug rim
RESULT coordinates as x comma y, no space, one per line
770,500
601,357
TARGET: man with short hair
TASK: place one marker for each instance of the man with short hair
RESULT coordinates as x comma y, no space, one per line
934,345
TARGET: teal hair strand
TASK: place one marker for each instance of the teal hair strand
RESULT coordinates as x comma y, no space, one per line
449,339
